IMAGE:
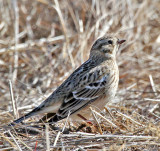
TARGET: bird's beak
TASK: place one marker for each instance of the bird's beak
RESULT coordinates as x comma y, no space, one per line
121,41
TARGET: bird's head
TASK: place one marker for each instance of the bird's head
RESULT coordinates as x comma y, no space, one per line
106,46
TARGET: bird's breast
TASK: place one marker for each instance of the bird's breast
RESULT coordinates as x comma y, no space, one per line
112,83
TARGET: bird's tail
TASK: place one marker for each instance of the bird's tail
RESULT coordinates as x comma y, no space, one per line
33,112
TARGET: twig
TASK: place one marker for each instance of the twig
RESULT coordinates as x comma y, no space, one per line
108,136
47,137
8,140
19,108
57,137
24,144
96,120
152,100
8,148
57,8
152,84
12,99
15,140
141,91
112,124
16,27
73,15
126,116
32,43
66,122
92,138
107,110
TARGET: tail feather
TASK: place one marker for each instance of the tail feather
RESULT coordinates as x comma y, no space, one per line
35,111
28,115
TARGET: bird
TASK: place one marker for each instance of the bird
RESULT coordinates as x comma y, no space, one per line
94,83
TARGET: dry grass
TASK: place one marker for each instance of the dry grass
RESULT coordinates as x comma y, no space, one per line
42,42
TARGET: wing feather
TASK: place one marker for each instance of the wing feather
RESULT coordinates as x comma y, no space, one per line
81,97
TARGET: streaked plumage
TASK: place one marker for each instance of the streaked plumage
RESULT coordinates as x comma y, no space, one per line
95,82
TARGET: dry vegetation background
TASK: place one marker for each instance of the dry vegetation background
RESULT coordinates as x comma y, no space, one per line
42,42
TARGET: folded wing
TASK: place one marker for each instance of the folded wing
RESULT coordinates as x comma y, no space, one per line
81,97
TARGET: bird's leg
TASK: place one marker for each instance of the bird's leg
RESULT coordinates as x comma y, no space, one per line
83,118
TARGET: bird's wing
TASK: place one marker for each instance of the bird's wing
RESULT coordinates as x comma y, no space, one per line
82,76
75,81
82,96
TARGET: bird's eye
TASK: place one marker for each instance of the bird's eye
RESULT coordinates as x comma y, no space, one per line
110,42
